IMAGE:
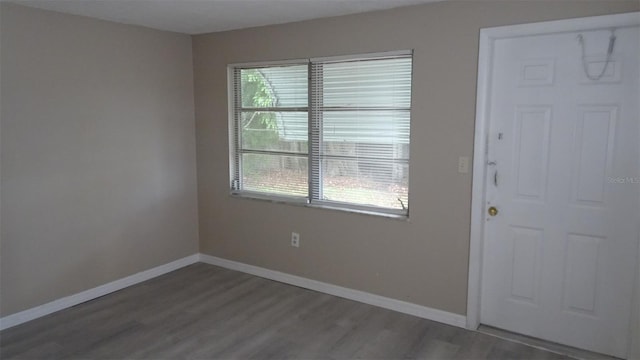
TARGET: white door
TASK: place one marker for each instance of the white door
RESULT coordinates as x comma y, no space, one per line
559,257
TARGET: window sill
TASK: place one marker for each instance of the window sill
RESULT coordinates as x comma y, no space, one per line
302,202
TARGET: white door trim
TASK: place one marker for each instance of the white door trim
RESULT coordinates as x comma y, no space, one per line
487,38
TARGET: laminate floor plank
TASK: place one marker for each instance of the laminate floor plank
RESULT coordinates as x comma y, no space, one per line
207,312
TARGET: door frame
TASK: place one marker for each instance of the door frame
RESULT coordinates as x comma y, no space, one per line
488,36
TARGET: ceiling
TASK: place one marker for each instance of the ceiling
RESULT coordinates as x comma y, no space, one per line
204,16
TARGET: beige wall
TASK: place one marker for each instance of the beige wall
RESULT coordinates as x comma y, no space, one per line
424,260
98,153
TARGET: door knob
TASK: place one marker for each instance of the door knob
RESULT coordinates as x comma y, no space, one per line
493,211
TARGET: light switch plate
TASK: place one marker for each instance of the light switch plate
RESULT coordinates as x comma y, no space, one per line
463,164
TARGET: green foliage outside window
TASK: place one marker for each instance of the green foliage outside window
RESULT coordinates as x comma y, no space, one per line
259,129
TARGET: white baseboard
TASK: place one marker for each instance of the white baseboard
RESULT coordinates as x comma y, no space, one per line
75,299
351,294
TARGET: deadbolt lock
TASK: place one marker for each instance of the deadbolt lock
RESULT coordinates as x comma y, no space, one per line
493,211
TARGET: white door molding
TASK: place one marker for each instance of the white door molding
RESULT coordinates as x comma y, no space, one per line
488,36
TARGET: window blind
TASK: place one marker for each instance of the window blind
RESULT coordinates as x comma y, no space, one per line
332,131
360,116
271,130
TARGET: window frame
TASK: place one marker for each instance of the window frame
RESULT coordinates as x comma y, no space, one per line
314,185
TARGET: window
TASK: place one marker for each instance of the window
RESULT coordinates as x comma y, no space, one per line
328,132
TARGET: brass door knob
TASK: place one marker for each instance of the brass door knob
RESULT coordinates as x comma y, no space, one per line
493,211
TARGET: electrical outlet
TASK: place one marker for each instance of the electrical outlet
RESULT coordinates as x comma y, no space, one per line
295,239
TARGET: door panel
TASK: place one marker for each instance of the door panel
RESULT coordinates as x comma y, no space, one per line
595,138
532,149
581,274
559,256
525,266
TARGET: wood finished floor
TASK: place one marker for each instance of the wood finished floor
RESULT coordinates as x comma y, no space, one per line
206,312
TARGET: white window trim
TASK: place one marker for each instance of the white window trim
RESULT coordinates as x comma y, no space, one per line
300,200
